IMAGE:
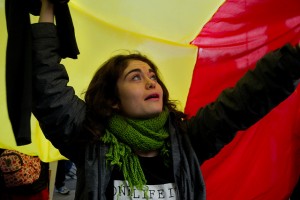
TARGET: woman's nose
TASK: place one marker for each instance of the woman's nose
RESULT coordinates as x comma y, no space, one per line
150,84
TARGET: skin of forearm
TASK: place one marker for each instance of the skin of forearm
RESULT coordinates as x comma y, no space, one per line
47,13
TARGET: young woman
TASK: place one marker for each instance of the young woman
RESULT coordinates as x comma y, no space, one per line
127,139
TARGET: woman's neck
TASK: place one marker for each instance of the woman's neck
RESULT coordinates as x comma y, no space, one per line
147,154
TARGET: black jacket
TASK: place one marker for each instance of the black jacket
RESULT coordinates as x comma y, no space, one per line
61,114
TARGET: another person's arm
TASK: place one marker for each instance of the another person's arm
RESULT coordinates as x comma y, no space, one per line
238,108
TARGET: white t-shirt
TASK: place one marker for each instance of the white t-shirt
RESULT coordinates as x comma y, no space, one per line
160,182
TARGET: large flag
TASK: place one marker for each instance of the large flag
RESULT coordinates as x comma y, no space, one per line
263,162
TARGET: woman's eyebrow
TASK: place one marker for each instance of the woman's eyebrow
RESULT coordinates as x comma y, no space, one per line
131,71
137,70
152,70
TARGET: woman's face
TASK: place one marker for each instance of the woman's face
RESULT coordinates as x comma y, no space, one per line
139,93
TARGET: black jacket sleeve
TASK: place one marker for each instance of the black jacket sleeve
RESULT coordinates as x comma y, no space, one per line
254,95
59,111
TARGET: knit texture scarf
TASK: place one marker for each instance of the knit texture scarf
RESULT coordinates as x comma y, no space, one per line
125,136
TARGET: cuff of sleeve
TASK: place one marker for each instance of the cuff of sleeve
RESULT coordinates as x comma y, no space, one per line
44,30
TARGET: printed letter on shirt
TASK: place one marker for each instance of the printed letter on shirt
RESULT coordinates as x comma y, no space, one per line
163,191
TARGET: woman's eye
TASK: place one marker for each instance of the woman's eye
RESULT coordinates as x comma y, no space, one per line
136,77
154,77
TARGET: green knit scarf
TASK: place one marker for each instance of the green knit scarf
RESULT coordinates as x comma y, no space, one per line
125,136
